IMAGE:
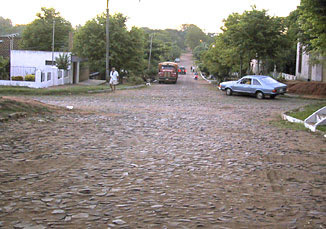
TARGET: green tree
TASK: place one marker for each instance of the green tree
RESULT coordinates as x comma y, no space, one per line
4,68
194,35
312,23
6,27
62,62
38,34
126,47
220,60
286,59
199,50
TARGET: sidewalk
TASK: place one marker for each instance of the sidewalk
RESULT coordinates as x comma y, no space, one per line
92,82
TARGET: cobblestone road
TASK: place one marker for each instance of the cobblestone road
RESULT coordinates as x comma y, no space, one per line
168,156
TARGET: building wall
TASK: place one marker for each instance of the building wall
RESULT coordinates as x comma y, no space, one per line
26,61
84,74
306,71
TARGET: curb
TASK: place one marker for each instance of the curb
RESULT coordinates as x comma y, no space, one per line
295,120
291,119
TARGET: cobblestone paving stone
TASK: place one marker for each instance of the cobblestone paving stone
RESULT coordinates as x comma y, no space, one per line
168,156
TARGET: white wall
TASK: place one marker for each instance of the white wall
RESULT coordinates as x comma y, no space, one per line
50,77
316,70
24,61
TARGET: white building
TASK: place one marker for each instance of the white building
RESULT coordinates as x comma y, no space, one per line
39,63
307,71
24,62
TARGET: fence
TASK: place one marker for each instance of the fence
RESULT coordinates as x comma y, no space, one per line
21,71
51,76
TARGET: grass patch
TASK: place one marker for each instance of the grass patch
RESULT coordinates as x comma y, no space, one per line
322,128
280,123
304,112
59,90
8,106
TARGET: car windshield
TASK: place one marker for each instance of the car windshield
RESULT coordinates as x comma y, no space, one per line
167,67
268,80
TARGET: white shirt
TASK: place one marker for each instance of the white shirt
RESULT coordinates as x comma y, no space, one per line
114,75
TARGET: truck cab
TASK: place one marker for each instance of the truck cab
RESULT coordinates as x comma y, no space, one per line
168,72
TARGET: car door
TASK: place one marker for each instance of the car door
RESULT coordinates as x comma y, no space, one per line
256,85
251,87
242,85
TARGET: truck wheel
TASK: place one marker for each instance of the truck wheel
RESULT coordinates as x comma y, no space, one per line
260,95
228,91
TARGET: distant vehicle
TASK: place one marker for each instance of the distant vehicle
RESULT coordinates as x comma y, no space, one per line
182,70
260,86
168,72
177,60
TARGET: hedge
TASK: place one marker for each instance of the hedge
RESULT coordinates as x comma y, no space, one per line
17,78
30,77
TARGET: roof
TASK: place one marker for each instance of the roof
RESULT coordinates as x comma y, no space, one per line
257,76
168,63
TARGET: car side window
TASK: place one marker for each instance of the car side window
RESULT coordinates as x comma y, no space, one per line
256,82
246,81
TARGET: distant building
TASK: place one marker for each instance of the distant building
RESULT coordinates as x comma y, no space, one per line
307,71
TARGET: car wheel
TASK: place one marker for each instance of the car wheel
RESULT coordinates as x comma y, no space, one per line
228,91
272,96
260,95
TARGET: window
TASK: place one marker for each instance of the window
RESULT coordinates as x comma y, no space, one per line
268,80
49,62
42,77
246,81
49,76
256,82
168,67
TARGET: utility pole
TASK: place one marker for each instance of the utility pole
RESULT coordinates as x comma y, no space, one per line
150,52
53,30
107,68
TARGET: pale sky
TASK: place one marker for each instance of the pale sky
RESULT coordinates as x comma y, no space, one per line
158,14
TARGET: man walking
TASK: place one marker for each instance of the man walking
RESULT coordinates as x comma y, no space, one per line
113,78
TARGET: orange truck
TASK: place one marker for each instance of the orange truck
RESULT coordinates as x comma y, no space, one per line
167,72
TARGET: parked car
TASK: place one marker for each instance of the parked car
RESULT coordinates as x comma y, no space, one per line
177,60
182,70
260,86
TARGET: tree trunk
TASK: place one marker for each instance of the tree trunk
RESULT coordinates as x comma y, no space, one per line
240,66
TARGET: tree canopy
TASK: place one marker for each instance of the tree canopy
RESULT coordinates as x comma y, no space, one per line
126,47
251,35
312,21
194,35
6,27
38,34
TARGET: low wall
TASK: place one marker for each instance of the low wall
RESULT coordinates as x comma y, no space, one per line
50,77
289,77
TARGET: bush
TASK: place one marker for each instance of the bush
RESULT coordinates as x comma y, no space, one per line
17,78
30,77
133,79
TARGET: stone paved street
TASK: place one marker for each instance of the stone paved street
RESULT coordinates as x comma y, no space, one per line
168,156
